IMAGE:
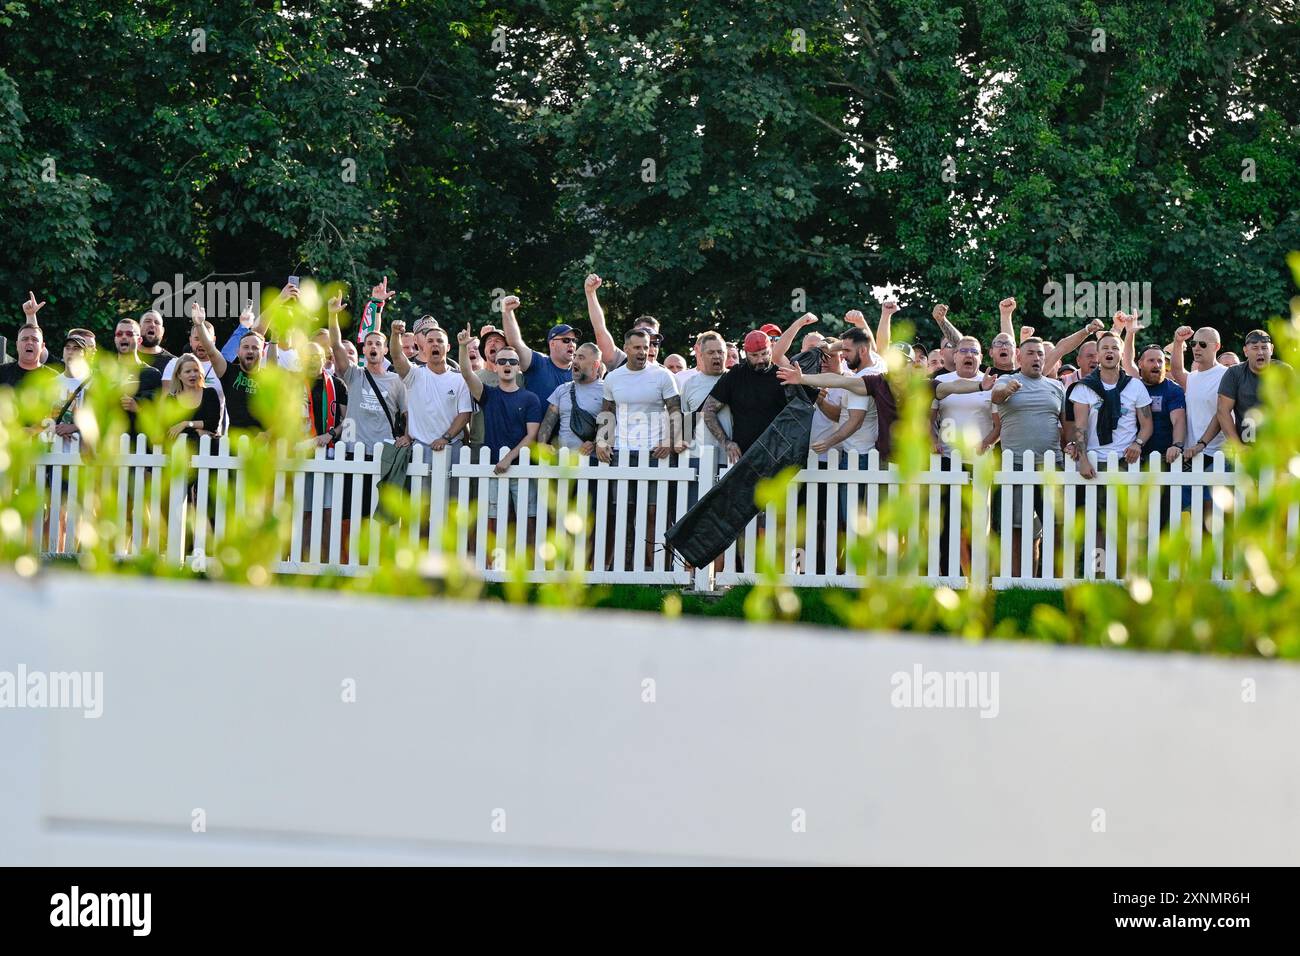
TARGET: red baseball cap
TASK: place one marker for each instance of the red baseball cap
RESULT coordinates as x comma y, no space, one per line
756,341
770,329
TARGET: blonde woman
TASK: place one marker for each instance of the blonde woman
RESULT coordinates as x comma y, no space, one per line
194,409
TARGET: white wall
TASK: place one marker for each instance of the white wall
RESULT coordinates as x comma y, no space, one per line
229,700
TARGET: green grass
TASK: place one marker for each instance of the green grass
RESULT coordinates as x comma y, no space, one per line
815,604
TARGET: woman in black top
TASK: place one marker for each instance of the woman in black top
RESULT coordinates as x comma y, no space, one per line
193,410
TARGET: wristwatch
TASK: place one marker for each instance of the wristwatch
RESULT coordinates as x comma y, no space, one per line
1178,445
447,439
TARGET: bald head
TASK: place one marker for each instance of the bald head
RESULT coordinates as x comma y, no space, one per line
1205,348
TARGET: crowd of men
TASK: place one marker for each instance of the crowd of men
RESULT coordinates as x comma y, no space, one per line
600,397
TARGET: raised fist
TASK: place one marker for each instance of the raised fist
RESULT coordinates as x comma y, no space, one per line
888,307
854,317
1183,333
1096,325
1026,331
1007,305
396,329
940,313
806,319
592,283
510,303
31,306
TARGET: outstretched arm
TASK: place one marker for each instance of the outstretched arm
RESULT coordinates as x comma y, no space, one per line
401,364
30,308
1072,342
887,310
946,328
342,361
786,340
472,381
1178,364
793,375
604,341
513,336
218,360
1006,309
1128,354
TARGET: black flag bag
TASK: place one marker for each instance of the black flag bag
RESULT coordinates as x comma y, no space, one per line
720,517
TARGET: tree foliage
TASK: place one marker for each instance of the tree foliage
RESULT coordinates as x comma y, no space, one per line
709,159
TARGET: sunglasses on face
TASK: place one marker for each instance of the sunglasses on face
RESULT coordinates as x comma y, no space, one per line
1201,345
507,361
567,339
656,339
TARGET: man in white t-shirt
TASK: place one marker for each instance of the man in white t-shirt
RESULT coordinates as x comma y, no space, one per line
1104,422
643,413
642,403
438,401
711,358
1201,384
965,416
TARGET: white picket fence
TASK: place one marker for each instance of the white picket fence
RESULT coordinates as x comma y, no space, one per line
605,522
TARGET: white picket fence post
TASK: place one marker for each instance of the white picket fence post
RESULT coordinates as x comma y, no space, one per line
705,467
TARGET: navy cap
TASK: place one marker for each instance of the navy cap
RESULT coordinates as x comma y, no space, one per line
557,331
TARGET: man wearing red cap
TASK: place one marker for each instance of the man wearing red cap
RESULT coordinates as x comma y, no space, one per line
752,392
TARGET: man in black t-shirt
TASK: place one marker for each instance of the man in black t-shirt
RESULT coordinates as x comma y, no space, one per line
30,345
140,381
151,336
239,379
753,393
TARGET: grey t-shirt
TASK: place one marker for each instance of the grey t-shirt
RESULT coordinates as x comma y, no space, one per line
1031,417
591,397
1242,385
364,409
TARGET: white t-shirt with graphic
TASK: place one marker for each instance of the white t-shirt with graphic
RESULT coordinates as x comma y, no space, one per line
433,401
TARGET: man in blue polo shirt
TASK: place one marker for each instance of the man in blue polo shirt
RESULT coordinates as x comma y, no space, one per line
543,374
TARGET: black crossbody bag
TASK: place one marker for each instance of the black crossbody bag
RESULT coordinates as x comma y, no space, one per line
581,421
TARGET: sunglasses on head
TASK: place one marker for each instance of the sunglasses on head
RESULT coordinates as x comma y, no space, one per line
502,361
